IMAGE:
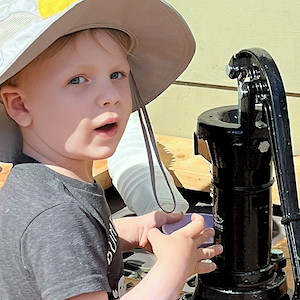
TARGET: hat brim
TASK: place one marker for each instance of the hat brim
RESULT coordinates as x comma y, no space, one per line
163,48
164,44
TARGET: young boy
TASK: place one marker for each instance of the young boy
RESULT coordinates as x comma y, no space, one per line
71,73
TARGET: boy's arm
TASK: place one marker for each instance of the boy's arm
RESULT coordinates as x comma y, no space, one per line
133,231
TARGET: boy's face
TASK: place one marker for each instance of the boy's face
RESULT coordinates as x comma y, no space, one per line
79,100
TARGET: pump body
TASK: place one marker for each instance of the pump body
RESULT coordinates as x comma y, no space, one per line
241,191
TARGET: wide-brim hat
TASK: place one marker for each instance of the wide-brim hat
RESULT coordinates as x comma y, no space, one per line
162,44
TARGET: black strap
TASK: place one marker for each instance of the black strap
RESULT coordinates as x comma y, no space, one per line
148,133
150,158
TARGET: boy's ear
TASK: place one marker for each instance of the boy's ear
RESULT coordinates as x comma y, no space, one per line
15,106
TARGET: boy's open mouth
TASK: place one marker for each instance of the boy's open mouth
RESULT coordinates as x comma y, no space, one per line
107,127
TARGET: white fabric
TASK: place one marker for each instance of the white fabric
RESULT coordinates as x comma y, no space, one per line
129,170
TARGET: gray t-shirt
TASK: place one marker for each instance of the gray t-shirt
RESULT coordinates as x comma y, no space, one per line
56,237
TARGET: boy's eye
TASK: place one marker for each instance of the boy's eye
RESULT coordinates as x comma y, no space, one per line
77,80
116,75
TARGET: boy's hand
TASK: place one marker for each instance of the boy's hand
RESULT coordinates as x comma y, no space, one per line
155,220
181,247
133,231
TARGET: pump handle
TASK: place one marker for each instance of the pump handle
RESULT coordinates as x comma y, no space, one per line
259,82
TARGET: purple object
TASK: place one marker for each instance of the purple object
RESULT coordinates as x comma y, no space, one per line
209,223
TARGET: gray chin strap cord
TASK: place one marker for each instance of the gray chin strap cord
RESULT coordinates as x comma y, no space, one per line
143,112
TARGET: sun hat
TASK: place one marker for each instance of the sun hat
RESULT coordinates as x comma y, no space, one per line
162,44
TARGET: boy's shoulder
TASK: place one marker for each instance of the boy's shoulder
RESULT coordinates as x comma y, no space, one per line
38,181
29,190
33,188
32,179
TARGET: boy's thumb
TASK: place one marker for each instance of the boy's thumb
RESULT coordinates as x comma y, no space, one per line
154,234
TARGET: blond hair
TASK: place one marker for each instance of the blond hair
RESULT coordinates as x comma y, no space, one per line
120,37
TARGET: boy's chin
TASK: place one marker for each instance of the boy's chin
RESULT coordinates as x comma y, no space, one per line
89,156
105,154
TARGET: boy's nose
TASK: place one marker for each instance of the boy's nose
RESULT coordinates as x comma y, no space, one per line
108,96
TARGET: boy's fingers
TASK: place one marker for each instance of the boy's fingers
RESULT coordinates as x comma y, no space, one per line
154,234
194,228
210,252
196,216
162,218
205,235
174,217
217,248
206,267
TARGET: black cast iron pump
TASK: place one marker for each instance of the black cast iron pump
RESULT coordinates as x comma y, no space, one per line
244,141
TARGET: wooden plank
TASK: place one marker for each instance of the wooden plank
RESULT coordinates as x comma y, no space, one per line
5,169
193,171
100,173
